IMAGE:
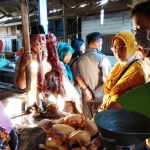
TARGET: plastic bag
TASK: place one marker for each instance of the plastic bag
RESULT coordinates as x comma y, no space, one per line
3,61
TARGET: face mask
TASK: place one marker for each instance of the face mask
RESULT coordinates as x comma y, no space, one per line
143,39
99,49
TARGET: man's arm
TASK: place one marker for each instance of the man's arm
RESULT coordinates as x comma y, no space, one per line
82,83
21,80
85,87
106,67
20,77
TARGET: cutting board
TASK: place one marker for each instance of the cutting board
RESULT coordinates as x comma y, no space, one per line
138,99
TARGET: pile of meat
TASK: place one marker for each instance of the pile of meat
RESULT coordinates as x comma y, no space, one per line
73,132
50,112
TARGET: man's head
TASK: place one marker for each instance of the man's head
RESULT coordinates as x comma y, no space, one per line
94,40
140,15
37,38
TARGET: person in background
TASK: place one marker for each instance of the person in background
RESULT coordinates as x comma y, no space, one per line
92,69
127,72
145,53
65,52
38,49
78,46
8,136
140,15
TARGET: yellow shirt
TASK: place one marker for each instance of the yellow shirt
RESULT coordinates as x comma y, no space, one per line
132,78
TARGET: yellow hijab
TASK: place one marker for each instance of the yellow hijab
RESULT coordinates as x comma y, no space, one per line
129,40
117,70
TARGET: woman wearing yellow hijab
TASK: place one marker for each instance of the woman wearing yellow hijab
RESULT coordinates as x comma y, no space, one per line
127,72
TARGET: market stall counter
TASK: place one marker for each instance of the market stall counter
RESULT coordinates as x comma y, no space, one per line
62,131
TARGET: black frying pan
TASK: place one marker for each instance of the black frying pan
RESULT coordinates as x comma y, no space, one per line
122,128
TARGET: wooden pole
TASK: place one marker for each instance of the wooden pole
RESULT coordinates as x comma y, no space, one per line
26,43
65,23
25,25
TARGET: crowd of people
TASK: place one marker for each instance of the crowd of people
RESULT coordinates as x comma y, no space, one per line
87,71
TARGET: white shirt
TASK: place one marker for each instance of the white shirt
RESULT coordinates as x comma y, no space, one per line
146,68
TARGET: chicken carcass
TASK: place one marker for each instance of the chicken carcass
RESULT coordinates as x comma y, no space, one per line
89,126
94,144
42,146
46,124
81,148
51,128
74,120
51,111
55,142
61,129
79,136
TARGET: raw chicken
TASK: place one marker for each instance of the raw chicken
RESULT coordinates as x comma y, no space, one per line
42,146
94,144
51,111
79,136
61,129
89,126
74,120
55,142
46,124
81,148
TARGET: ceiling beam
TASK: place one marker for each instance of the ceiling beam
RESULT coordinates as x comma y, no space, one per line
17,9
5,15
2,17
4,3
11,24
62,3
3,12
32,5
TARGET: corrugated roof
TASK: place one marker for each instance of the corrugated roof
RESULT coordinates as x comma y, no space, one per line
10,9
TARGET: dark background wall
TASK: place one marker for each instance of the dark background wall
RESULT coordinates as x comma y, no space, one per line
73,26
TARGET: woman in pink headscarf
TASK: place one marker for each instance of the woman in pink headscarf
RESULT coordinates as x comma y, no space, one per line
8,137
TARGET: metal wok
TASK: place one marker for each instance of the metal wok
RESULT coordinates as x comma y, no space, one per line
122,129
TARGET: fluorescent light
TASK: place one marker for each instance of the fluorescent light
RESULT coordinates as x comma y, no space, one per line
103,2
102,16
52,11
83,5
73,6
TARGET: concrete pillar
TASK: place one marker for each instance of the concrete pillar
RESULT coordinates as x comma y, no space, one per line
42,14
